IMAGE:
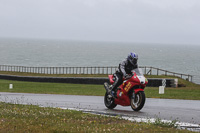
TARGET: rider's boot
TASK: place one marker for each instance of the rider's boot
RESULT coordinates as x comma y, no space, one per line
112,91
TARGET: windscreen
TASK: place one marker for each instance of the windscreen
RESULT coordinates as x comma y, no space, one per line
138,71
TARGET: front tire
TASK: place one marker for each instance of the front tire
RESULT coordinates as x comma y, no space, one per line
137,102
109,101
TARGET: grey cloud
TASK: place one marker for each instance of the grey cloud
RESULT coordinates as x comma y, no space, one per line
155,21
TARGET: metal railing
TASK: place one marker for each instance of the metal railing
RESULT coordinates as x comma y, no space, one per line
158,71
88,70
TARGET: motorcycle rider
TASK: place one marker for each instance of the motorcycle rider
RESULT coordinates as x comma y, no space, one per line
124,71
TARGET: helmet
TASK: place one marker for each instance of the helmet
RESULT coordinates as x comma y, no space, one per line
132,58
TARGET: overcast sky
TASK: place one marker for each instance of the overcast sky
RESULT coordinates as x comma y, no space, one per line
142,21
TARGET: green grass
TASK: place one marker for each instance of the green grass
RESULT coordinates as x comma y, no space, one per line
187,93
51,88
29,118
181,81
191,92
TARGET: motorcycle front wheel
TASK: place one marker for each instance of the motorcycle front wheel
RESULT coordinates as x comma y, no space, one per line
109,101
138,100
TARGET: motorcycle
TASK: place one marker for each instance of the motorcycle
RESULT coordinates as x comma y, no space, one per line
129,93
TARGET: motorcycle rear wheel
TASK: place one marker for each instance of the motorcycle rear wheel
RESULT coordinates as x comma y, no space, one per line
109,101
138,101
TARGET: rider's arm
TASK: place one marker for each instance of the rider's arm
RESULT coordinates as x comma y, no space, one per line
122,67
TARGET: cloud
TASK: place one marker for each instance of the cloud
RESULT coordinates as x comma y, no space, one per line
174,21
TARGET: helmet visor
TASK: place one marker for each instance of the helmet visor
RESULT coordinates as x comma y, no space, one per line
133,60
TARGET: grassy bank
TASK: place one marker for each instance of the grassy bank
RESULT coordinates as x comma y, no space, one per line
191,92
181,81
29,118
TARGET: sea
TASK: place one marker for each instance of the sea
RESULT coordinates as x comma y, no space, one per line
64,53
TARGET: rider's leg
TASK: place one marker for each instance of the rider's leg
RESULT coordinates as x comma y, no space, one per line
118,81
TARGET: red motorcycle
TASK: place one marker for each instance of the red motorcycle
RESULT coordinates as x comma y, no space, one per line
130,92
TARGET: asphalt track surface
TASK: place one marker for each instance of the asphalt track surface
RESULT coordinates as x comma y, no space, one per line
187,111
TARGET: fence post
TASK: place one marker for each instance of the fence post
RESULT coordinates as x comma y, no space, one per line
91,70
83,70
66,71
95,70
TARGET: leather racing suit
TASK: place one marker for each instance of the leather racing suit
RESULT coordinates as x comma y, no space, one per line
125,68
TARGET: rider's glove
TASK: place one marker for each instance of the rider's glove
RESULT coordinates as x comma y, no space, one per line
127,76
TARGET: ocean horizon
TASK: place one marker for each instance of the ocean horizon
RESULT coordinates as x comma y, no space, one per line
60,53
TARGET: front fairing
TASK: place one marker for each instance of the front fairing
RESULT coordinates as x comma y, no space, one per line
135,84
137,80
139,77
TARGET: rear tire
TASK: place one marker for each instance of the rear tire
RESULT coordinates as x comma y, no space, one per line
138,102
109,101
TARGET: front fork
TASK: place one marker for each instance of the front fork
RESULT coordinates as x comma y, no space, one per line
133,96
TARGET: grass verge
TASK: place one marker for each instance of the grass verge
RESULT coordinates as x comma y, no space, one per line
191,92
30,118
181,81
